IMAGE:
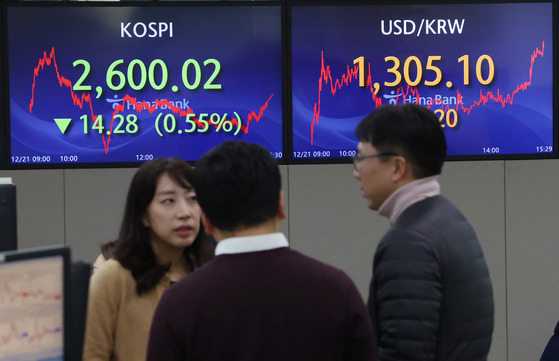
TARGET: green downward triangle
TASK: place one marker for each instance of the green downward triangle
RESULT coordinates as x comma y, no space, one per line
63,124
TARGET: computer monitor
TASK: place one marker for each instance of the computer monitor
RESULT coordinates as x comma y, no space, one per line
33,304
3,140
8,216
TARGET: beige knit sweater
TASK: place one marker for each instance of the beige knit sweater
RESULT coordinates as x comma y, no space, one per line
118,320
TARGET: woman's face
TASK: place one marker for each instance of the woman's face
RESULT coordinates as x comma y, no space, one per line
173,216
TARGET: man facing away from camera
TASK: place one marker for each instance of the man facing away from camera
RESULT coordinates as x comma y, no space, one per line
257,299
430,296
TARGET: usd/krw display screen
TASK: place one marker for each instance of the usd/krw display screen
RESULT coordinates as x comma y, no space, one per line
486,70
104,84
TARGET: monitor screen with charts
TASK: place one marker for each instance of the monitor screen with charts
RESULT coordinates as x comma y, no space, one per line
32,304
487,70
112,84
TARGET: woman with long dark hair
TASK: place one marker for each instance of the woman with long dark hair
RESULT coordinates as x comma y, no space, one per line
161,240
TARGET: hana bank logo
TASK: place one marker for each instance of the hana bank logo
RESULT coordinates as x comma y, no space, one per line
181,104
392,98
395,98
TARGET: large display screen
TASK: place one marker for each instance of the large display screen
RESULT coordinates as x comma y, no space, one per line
486,70
106,83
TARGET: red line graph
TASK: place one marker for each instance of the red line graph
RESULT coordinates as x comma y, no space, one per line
26,290
325,78
352,73
139,105
499,98
12,297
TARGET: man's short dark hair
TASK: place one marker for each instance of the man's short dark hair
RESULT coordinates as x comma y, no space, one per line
238,185
410,130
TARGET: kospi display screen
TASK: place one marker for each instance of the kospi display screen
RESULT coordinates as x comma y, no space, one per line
106,83
486,70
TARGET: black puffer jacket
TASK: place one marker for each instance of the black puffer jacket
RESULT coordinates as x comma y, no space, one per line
431,296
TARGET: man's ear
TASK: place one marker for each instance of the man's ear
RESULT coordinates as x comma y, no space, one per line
281,206
208,225
402,169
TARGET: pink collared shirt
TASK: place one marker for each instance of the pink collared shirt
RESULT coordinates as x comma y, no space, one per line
407,195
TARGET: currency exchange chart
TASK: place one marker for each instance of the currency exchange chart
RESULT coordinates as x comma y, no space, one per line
102,84
486,70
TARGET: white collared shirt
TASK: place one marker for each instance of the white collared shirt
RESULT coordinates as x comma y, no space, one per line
407,195
263,242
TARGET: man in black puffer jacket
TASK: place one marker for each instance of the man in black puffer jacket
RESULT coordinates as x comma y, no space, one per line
431,296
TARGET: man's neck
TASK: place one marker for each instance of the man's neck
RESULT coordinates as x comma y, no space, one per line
268,227
407,195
